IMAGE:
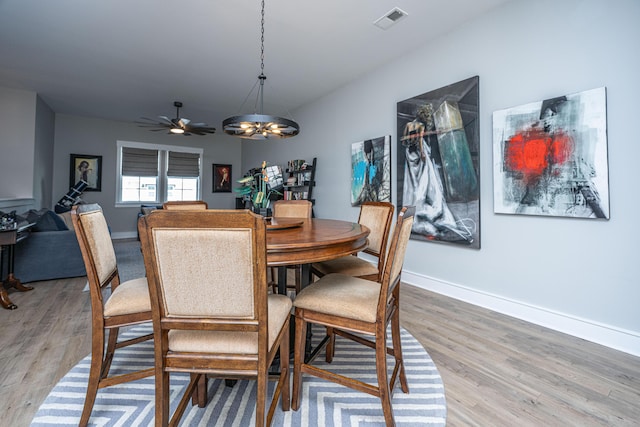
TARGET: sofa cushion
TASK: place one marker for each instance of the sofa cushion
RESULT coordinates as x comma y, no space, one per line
147,209
48,255
48,221
66,218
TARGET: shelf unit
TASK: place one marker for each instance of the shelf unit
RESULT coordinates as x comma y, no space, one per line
299,181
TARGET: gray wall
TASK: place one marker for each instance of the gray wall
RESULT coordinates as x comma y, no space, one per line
575,275
81,135
43,154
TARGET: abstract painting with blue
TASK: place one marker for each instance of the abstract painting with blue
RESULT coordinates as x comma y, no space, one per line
371,171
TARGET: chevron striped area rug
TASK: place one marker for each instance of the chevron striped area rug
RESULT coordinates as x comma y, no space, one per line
323,403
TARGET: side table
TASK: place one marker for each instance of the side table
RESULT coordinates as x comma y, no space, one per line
8,240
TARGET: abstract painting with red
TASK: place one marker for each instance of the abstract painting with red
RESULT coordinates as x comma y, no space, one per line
550,157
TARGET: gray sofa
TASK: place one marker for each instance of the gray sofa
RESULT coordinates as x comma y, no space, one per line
50,252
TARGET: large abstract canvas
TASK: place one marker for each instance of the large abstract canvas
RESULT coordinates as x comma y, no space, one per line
371,171
550,157
438,163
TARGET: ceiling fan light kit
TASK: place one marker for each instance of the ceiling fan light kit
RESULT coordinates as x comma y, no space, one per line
178,125
259,126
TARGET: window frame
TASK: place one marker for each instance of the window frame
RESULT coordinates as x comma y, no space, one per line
163,156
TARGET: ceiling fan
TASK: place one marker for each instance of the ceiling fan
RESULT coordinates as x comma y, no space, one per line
178,125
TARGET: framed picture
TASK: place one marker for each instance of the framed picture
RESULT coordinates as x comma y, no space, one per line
221,178
86,168
550,157
371,171
439,163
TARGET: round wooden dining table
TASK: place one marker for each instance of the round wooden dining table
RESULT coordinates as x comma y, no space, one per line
301,241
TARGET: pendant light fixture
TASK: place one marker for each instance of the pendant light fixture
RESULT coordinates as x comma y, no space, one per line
259,126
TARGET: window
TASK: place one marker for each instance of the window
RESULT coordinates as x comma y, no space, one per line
151,173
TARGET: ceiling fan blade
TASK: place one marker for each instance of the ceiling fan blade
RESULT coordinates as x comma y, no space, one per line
176,124
202,130
166,119
148,120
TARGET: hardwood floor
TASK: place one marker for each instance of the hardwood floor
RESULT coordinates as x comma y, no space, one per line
501,371
41,340
497,370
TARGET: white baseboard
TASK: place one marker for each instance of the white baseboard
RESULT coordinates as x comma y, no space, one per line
607,335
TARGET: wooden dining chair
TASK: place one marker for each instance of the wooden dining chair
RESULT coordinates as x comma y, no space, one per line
128,302
291,209
349,305
377,217
212,314
185,205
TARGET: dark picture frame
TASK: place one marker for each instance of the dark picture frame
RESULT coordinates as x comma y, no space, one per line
438,163
221,178
87,168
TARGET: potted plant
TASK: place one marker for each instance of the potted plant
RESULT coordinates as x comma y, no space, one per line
254,187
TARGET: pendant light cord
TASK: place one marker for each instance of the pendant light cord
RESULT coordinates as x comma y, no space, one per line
262,77
260,126
262,41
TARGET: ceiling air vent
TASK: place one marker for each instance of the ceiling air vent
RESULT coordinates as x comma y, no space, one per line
390,18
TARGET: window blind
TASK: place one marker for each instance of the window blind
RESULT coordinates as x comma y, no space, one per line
183,164
139,162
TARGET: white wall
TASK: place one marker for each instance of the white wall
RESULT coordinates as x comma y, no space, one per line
81,135
17,143
574,275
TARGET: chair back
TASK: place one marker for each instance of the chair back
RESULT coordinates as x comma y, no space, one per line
292,208
184,205
96,247
206,271
377,216
395,256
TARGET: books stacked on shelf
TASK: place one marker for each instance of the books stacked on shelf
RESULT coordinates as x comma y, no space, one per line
300,180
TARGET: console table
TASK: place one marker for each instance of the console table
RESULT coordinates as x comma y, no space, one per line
8,240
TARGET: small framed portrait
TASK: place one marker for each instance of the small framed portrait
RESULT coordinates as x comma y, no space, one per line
221,178
88,169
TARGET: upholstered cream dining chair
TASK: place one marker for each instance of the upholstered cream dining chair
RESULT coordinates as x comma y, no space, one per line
212,314
185,205
128,303
360,310
377,217
291,209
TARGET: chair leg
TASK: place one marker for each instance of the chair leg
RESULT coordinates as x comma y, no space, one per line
284,370
95,374
111,349
162,397
261,394
298,279
272,280
199,396
383,380
298,357
397,349
330,349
